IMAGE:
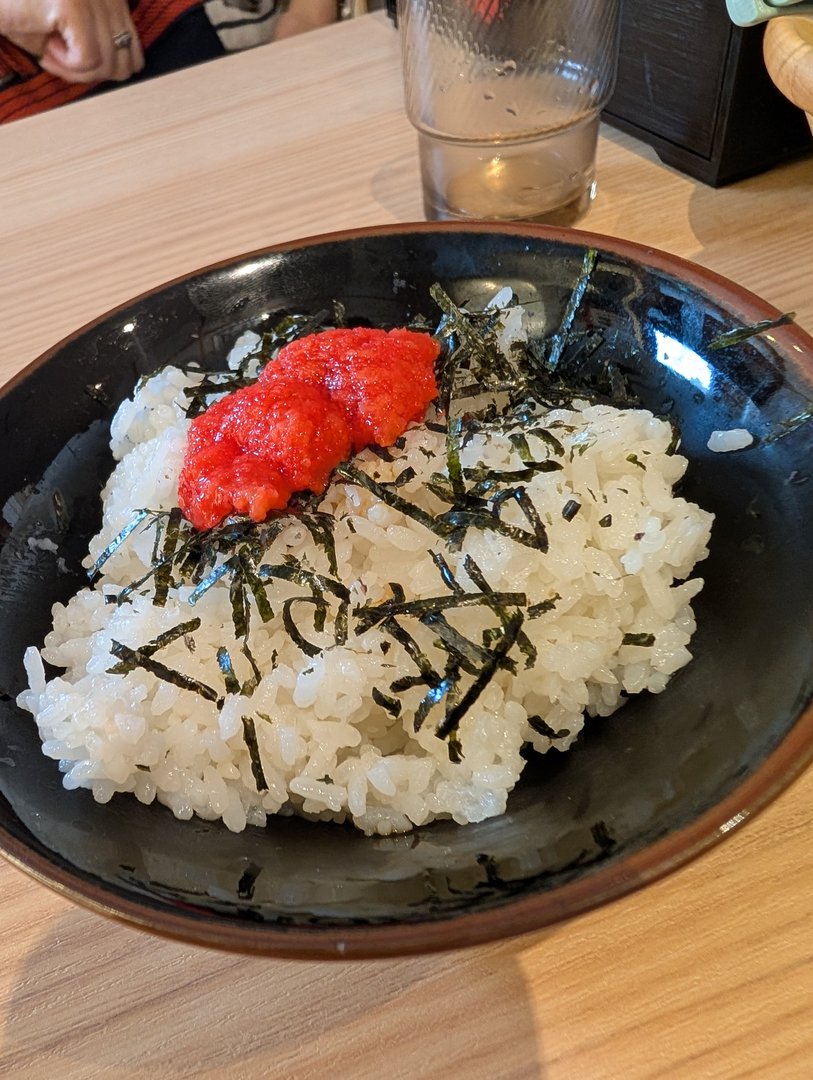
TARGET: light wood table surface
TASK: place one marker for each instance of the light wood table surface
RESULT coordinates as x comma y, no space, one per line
707,973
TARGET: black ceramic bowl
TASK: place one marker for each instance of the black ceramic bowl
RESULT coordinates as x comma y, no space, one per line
641,792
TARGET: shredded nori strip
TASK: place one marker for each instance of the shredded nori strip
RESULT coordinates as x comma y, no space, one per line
214,383
449,580
134,658
320,526
161,641
525,644
553,443
403,477
606,521
116,542
253,747
389,704
487,478
210,580
557,341
398,593
163,575
227,670
353,475
739,334
453,466
787,427
435,694
603,837
468,336
239,601
298,575
570,509
248,881
541,728
469,655
455,747
644,640
368,616
250,685
499,653
407,642
674,442
252,580
286,329
535,610
521,497
291,628
341,624
157,539
460,521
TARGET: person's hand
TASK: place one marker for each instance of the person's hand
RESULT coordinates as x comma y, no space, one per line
80,41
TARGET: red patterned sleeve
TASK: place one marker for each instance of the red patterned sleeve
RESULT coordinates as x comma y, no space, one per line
25,89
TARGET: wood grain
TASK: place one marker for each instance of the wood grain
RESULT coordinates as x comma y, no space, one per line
708,973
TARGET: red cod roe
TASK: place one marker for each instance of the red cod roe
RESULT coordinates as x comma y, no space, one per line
322,398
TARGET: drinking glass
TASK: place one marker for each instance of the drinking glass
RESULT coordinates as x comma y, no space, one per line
505,96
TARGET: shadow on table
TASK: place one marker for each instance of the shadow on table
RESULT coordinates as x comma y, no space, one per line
396,186
777,240
98,999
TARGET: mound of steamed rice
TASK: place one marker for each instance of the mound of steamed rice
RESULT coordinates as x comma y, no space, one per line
620,567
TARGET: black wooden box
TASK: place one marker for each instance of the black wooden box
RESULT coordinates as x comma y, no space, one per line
694,87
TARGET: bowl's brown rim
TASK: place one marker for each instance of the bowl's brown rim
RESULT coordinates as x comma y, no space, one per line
519,915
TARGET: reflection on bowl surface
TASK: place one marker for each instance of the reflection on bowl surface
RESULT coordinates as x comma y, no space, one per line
640,793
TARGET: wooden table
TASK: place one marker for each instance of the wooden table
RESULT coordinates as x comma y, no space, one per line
708,973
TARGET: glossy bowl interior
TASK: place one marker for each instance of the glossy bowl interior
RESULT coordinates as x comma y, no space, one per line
640,793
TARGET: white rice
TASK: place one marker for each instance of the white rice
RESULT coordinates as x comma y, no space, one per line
723,442
619,567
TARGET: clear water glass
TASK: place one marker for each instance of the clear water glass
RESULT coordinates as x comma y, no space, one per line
505,96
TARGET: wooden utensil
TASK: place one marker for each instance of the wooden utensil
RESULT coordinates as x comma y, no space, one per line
788,51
